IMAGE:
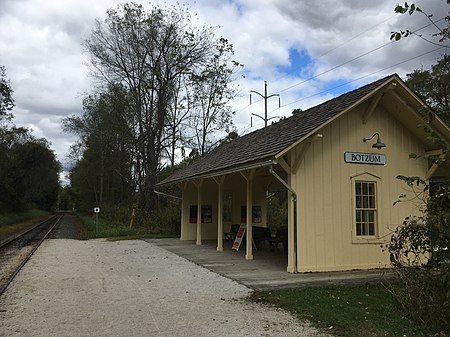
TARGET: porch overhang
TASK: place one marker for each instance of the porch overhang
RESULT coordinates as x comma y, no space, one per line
223,171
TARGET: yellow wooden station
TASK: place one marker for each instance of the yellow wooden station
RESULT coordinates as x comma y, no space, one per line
338,162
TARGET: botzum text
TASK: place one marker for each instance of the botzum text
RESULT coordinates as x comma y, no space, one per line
365,158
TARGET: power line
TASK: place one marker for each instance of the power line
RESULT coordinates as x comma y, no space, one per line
349,82
351,60
347,41
360,78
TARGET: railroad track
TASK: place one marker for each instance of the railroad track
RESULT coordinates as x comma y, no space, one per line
18,249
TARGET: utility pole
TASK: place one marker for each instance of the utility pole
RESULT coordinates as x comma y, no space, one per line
265,97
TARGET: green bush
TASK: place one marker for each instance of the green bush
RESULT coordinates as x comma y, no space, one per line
419,252
114,221
277,206
12,218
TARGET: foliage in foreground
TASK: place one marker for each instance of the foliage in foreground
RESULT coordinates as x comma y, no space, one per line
368,310
419,252
419,249
114,222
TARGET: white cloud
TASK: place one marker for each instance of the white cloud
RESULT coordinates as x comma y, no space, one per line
40,45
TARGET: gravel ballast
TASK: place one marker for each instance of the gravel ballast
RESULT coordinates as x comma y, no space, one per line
131,288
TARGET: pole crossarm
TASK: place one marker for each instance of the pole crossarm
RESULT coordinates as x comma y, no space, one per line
265,97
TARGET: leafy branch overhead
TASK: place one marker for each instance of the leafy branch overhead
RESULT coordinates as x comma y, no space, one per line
443,33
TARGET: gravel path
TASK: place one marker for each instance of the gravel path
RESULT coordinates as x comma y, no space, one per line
131,288
68,228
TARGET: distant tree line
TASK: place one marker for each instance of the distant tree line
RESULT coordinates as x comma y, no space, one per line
163,85
28,167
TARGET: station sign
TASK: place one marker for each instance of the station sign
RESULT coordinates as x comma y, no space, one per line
365,158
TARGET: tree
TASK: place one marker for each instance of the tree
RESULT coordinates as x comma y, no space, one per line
211,93
9,139
153,54
29,171
147,52
178,115
29,175
104,170
36,174
6,99
433,87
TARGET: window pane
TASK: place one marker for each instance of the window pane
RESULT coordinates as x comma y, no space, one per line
371,202
366,216
365,208
371,229
364,189
365,202
358,216
358,201
372,188
358,188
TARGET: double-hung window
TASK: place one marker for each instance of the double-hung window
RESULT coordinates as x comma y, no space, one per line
365,208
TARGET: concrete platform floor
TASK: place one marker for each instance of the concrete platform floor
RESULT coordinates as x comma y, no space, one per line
267,271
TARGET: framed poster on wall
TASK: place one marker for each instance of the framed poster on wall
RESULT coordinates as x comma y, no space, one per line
256,214
206,214
227,206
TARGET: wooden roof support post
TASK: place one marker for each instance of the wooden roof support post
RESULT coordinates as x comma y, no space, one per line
249,175
199,185
371,108
219,180
184,185
292,220
375,100
292,257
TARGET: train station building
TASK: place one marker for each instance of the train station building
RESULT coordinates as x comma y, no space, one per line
338,162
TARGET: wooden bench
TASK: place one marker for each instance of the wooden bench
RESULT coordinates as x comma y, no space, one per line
261,234
231,235
281,237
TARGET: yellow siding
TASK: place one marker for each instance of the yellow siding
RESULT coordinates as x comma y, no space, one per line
326,234
209,197
234,184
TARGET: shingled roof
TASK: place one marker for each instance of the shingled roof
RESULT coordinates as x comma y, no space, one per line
264,144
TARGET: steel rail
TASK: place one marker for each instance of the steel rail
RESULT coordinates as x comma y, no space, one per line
11,278
14,237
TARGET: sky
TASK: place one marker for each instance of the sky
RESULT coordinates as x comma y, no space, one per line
308,51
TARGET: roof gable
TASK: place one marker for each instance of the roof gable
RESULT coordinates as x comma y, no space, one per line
265,144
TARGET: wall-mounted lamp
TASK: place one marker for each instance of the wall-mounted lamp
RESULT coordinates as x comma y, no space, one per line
379,144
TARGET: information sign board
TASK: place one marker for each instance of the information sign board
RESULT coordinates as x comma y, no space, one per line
239,236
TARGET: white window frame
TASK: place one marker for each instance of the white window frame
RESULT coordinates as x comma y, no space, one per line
367,178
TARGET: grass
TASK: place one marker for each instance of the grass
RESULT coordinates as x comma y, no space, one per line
349,311
21,220
117,231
